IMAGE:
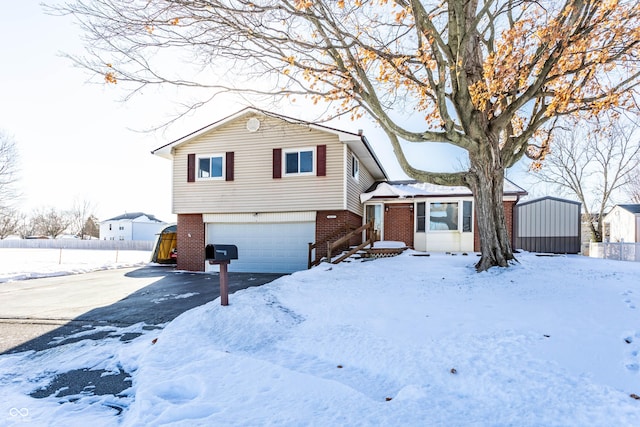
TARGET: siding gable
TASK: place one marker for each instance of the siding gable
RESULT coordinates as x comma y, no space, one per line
254,177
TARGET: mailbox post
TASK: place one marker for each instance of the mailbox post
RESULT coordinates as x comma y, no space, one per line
222,256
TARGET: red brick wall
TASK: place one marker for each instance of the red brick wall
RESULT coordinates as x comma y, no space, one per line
398,222
190,242
509,208
325,227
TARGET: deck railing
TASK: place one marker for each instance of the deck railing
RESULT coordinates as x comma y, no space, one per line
314,257
368,241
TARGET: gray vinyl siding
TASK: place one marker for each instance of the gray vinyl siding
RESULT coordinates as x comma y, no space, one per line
356,188
548,225
253,188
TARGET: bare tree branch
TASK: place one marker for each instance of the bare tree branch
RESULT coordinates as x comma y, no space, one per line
593,164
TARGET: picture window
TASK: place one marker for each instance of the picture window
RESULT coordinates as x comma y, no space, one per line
443,216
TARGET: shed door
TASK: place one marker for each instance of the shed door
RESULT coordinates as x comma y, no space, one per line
265,247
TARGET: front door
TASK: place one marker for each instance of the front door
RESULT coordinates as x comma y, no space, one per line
374,212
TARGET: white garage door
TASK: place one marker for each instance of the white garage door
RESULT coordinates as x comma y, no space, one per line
265,247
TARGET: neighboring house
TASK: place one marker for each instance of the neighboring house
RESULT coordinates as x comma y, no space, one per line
271,185
622,224
548,224
131,226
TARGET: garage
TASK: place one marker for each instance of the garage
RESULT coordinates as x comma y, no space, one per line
265,247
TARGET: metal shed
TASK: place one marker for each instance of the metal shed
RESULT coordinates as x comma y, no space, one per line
548,224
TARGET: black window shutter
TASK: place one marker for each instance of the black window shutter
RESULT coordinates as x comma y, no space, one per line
191,168
229,166
277,163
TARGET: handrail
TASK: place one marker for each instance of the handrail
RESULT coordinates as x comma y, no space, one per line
312,246
368,227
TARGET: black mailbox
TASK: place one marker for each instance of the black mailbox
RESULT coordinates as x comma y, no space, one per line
221,252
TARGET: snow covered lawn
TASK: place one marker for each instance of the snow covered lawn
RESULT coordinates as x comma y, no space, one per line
20,264
404,341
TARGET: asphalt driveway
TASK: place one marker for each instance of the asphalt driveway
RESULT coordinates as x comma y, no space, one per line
34,311
40,314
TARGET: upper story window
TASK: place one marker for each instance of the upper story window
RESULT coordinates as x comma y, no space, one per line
355,168
299,162
210,167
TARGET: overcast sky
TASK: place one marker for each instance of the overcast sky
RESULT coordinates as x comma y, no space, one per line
78,141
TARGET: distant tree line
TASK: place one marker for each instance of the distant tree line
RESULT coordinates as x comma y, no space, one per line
50,223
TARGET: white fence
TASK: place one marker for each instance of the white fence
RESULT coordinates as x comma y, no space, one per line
122,245
615,250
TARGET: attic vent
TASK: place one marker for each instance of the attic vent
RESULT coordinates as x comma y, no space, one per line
253,124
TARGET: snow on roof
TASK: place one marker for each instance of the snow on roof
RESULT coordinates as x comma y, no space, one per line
411,189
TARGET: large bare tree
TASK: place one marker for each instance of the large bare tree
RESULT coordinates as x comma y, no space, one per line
594,163
488,76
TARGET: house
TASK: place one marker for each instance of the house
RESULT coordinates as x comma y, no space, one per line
271,185
131,226
622,224
548,224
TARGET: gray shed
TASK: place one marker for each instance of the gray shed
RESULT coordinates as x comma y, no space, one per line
548,224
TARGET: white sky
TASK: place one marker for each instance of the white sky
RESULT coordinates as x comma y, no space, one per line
77,141
73,137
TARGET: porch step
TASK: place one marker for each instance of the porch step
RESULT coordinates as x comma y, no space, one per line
382,252
377,252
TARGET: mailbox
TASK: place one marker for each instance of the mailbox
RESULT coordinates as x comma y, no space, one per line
222,256
221,252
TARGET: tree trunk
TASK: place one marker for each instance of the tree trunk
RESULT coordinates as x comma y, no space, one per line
597,232
486,181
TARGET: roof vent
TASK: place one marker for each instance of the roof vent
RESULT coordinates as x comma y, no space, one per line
253,124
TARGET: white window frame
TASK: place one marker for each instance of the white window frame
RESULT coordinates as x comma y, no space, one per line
460,217
457,219
380,218
210,156
299,150
355,167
